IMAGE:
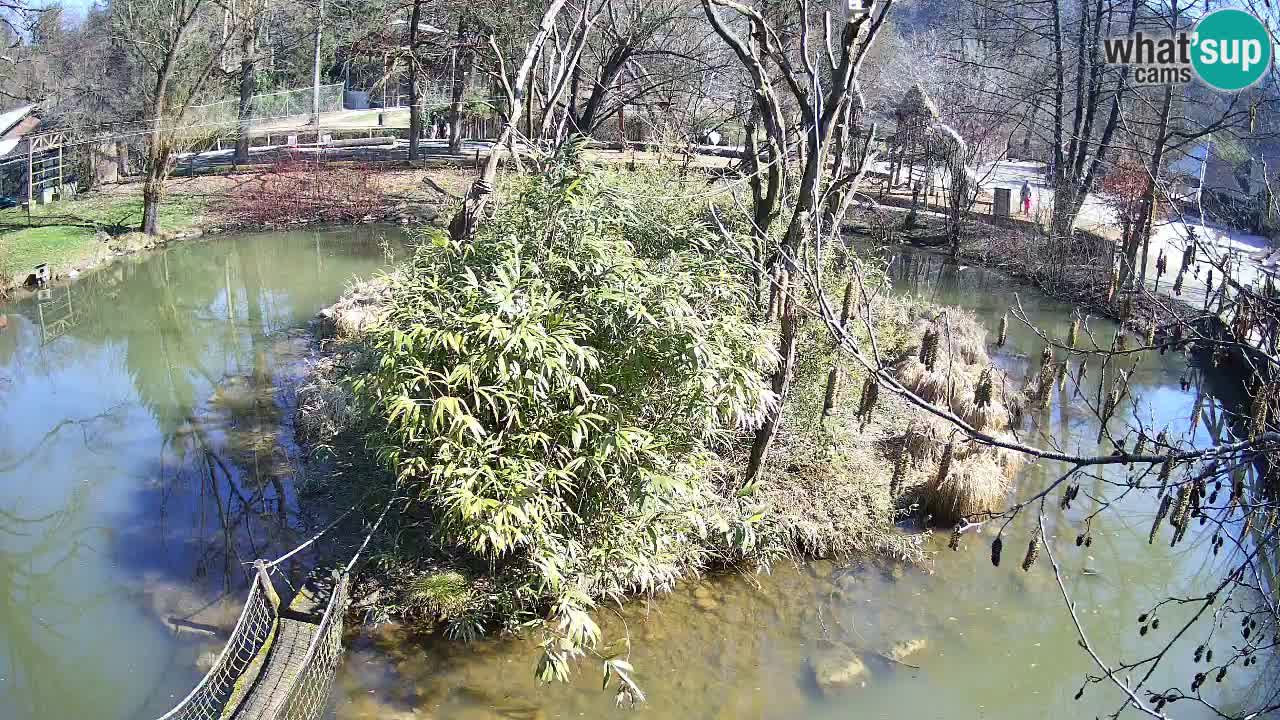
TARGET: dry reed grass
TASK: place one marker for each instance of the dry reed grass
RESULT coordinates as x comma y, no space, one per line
973,485
976,478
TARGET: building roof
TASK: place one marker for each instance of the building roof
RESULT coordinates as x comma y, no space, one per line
10,119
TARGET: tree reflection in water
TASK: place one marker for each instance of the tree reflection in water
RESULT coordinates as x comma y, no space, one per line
150,456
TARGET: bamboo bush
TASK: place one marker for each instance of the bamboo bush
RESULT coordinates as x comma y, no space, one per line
553,395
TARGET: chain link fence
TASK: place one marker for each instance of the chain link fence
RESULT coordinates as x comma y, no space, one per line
269,106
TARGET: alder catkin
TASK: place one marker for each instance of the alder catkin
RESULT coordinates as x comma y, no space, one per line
983,392
1033,552
997,545
944,465
1165,503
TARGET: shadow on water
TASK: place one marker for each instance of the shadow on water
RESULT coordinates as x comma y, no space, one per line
147,454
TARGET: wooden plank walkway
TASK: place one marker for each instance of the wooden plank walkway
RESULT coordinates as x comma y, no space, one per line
284,663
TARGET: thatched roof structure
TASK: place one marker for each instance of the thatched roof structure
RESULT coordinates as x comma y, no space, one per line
917,106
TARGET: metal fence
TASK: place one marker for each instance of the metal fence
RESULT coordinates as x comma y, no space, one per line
269,106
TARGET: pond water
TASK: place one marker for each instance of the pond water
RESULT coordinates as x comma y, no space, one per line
999,642
144,456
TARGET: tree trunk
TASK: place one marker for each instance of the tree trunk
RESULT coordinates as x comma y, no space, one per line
461,67
798,229
415,100
122,158
473,207
781,381
157,148
315,68
248,85
153,191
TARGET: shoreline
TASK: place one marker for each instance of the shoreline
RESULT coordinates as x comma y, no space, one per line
399,214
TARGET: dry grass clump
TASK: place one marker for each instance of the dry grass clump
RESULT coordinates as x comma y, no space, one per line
961,378
975,478
988,416
936,386
326,405
959,332
832,498
971,486
951,477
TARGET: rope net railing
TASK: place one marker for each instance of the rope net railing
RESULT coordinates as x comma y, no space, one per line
309,697
257,621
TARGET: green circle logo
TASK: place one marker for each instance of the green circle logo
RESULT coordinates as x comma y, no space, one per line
1232,50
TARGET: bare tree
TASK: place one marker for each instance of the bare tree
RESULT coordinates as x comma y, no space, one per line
821,97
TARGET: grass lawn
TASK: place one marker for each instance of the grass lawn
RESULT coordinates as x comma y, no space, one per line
63,234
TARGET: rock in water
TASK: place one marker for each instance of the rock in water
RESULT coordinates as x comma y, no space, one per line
837,669
904,649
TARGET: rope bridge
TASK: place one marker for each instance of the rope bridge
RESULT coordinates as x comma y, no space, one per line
279,662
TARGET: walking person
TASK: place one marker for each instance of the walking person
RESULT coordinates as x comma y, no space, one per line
1025,196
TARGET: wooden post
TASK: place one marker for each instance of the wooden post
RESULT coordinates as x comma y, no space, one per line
60,172
267,587
31,188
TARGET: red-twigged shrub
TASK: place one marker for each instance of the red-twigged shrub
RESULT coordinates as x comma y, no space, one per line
299,189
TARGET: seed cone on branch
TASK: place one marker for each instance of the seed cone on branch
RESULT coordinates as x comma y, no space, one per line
1033,552
944,465
1004,330
1074,333
870,394
985,388
899,472
1108,408
997,546
1165,504
929,348
1261,409
1166,469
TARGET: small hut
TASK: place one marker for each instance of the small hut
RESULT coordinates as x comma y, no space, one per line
914,116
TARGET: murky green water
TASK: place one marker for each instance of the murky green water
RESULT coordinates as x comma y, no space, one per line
999,643
144,456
